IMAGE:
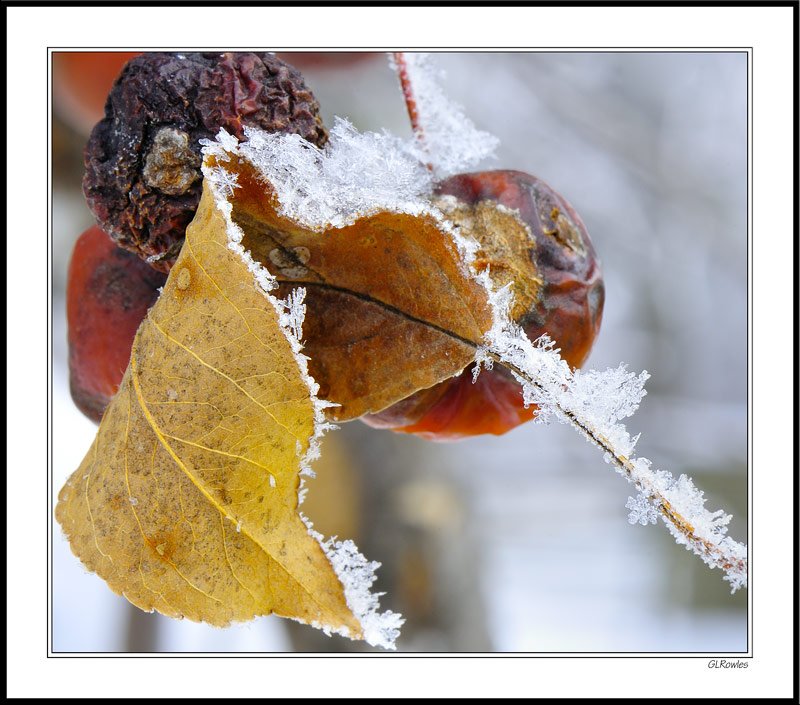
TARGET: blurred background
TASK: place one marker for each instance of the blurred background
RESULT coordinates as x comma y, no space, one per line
517,543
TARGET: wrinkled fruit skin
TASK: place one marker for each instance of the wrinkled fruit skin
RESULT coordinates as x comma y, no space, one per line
109,291
143,179
569,308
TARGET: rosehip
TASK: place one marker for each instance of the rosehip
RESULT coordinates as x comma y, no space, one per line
109,291
531,237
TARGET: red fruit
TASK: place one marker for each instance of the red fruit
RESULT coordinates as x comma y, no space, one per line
568,304
109,291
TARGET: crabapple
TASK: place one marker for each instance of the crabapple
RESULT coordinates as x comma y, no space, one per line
109,291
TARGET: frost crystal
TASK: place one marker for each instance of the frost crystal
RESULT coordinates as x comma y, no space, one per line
355,175
295,312
642,511
225,181
482,358
356,575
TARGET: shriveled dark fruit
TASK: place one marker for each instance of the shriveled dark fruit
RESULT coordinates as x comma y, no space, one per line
109,291
531,237
143,179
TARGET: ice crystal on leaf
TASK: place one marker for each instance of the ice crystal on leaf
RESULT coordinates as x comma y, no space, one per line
225,181
295,312
354,175
357,575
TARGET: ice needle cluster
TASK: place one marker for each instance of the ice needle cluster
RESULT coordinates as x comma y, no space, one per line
355,175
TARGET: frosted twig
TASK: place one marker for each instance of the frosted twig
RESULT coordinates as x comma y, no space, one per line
446,139
400,66
679,503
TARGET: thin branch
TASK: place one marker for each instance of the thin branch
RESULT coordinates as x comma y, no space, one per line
721,553
408,94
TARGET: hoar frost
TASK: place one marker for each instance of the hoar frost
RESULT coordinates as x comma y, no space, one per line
594,402
358,174
357,574
450,142
642,511
355,175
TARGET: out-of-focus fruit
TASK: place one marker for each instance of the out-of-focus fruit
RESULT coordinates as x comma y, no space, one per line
109,291
327,60
81,82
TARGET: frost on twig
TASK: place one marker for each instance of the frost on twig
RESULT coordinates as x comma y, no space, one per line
447,138
593,403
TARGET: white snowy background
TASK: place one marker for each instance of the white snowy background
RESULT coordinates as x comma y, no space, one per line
521,543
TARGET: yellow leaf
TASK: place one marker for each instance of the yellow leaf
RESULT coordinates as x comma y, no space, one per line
187,502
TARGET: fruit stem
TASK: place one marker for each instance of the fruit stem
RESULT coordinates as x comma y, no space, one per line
408,94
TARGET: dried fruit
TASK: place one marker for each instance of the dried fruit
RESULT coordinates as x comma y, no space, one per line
109,291
530,237
143,179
